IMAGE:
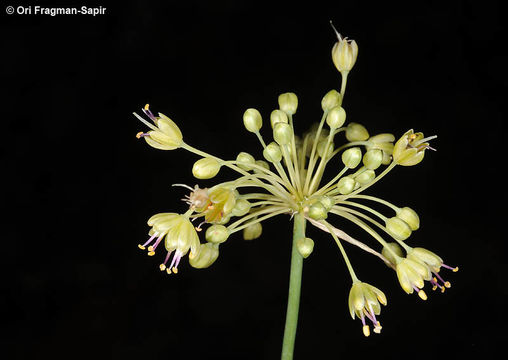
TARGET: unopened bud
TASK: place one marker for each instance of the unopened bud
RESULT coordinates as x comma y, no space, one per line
278,116
282,133
205,168
352,157
389,250
321,149
217,234
330,100
317,211
245,160
373,159
356,132
241,208
252,232
288,102
263,164
206,256
410,217
327,202
346,185
366,177
252,120
398,228
336,117
305,246
272,153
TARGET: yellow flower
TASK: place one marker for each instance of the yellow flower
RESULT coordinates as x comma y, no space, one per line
180,234
222,200
344,53
434,263
411,275
410,148
364,301
165,135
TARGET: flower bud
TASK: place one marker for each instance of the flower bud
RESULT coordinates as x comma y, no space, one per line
252,232
278,116
205,168
327,202
282,133
305,246
398,228
352,157
241,208
217,234
263,164
288,102
346,185
344,54
395,248
272,152
252,120
382,142
356,132
321,149
373,159
336,117
246,160
331,100
366,177
410,217
206,256
317,211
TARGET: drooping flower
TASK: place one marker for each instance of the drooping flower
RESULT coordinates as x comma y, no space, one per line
165,135
364,302
410,148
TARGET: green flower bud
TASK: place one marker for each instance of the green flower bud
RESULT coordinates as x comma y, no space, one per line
382,142
278,116
327,202
252,232
217,234
252,120
346,185
205,168
398,228
207,255
305,246
321,149
330,100
395,248
263,164
246,160
373,159
282,133
352,157
336,117
410,217
366,177
241,208
317,211
288,102
272,152
356,132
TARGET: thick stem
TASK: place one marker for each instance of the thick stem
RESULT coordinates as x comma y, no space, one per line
295,283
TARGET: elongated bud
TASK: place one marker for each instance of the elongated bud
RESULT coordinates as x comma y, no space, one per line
352,157
373,159
346,185
252,232
272,153
330,100
241,208
288,102
252,120
317,211
389,250
246,160
398,228
336,117
356,132
366,177
410,217
305,246
278,116
206,256
321,149
282,133
205,168
217,234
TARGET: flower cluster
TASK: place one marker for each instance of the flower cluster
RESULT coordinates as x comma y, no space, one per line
288,180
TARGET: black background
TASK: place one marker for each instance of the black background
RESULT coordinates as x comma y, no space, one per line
78,186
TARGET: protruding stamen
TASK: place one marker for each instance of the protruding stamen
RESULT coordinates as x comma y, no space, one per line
422,295
366,330
162,267
168,270
339,36
151,253
148,113
454,269
447,284
377,328
141,247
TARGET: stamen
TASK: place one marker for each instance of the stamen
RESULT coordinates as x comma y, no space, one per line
366,330
141,134
142,247
422,295
148,113
183,185
339,36
163,265
454,269
377,328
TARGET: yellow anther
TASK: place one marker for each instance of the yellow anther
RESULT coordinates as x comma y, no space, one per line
366,330
456,269
150,248
377,328
162,267
151,253
168,270
443,289
434,288
147,106
175,270
141,247
198,229
139,134
448,284
422,295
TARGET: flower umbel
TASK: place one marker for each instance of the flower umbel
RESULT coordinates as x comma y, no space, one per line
287,177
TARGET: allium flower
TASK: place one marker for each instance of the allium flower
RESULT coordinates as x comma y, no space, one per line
287,177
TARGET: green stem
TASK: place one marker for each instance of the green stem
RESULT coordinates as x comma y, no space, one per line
295,283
